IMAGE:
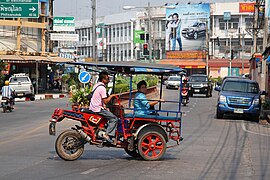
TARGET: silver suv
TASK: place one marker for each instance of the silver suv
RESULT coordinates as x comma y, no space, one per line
22,86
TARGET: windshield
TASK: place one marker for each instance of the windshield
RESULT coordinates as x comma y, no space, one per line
238,86
19,79
174,79
198,79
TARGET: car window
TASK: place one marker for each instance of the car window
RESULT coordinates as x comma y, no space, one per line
19,79
174,79
238,86
198,79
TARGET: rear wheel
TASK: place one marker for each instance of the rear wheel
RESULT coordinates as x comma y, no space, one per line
32,98
69,145
152,145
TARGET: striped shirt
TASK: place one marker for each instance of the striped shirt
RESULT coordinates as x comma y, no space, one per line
6,91
100,93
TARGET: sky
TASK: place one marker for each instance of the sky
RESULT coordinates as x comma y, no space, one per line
81,9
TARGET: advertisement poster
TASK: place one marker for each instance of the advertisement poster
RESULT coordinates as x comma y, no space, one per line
186,27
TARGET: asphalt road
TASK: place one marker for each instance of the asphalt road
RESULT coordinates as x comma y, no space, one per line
230,148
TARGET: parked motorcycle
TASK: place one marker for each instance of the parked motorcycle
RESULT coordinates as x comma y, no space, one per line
6,104
185,96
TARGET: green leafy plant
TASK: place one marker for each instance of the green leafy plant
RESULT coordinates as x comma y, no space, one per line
79,96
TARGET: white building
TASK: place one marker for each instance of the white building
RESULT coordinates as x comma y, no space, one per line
119,30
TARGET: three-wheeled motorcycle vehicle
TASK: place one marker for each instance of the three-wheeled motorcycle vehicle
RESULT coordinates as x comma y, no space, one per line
144,136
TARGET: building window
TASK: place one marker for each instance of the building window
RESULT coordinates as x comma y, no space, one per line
232,24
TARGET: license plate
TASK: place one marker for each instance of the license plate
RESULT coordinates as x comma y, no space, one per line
19,94
238,111
52,128
196,90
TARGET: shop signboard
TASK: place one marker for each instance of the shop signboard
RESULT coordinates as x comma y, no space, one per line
64,24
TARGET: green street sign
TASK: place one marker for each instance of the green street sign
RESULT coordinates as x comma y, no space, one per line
137,36
18,1
19,10
64,23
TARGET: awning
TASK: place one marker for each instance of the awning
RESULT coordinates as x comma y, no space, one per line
186,63
33,59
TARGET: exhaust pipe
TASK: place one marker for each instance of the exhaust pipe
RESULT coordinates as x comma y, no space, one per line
83,134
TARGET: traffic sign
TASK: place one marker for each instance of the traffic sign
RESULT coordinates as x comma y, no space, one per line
19,9
84,77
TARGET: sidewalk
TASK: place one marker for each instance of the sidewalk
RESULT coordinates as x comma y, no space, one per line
42,97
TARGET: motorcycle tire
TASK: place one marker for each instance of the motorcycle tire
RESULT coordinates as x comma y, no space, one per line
69,145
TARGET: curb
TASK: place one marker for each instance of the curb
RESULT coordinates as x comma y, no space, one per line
41,97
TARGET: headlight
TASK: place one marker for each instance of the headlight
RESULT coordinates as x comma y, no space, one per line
256,101
222,98
205,85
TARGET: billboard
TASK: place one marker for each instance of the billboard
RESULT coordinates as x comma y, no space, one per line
186,27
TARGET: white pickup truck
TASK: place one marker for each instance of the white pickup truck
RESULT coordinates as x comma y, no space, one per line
22,86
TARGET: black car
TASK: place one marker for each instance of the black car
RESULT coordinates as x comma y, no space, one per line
200,84
197,29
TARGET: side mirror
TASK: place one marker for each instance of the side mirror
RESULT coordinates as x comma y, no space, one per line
217,88
264,93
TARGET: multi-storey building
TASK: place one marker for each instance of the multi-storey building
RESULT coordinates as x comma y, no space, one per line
226,37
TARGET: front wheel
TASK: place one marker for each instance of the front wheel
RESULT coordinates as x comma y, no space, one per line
152,145
69,145
219,115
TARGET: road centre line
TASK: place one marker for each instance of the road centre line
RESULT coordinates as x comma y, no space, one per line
245,129
89,171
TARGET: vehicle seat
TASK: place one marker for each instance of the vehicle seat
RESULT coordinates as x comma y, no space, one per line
86,110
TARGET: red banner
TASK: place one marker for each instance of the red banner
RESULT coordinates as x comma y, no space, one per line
246,7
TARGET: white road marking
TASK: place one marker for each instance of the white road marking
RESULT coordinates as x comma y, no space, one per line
89,171
245,129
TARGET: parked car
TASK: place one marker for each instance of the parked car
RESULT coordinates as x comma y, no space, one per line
197,29
200,84
173,82
22,86
239,96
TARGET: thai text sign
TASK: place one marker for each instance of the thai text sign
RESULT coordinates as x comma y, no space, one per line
19,9
186,55
64,37
246,7
63,23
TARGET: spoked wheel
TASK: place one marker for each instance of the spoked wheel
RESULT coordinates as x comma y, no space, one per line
69,145
152,146
135,153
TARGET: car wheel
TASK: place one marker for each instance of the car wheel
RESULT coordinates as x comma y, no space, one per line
219,115
32,98
195,36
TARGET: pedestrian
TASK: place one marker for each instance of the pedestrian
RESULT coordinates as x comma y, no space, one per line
98,104
141,105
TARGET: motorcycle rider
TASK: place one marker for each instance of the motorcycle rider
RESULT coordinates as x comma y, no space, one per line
185,86
7,93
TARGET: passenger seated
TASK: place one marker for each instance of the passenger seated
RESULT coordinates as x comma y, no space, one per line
141,105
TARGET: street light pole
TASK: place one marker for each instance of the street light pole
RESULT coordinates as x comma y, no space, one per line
230,69
94,30
150,33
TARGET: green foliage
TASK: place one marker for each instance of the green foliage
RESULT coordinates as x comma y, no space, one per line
215,80
2,77
79,95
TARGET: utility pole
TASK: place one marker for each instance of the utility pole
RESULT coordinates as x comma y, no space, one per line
50,43
207,48
150,33
94,31
264,74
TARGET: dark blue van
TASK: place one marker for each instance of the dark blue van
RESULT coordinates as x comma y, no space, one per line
239,96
